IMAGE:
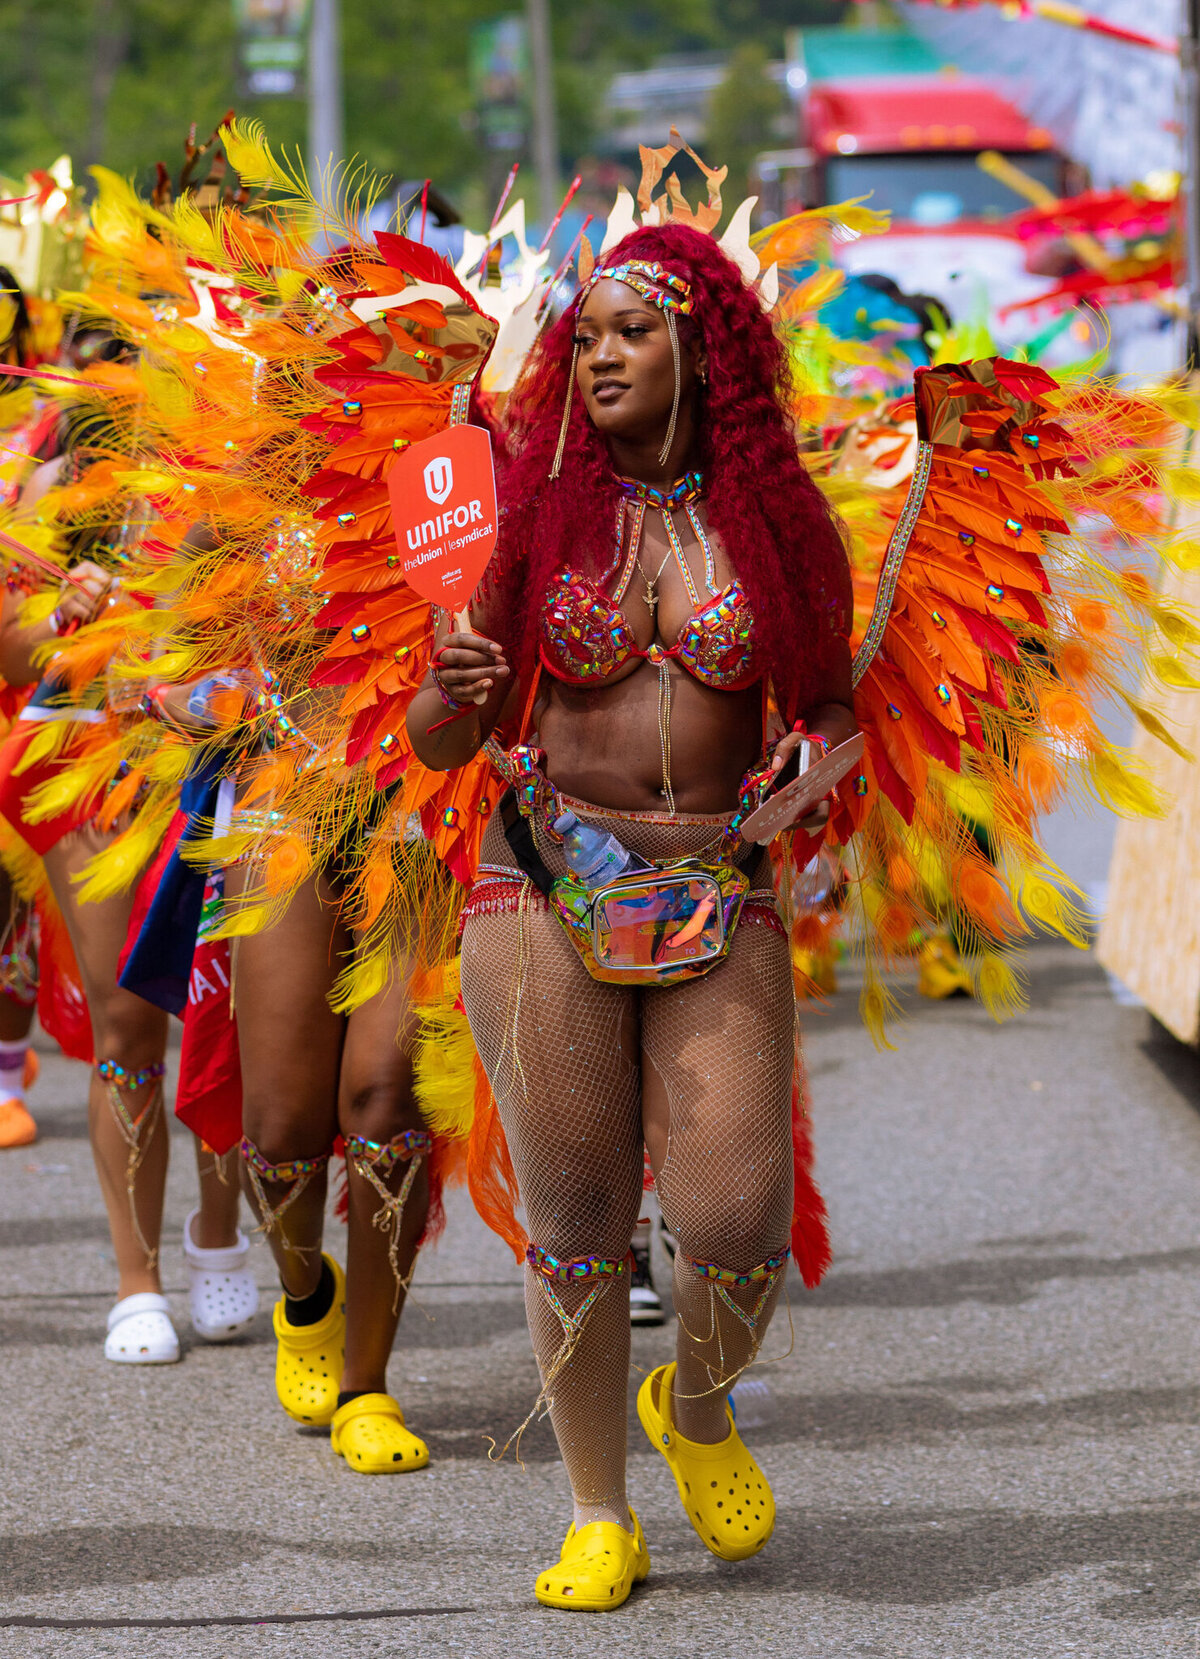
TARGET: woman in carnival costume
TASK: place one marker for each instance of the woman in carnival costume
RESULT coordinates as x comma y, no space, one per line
67,802
655,508
36,968
668,622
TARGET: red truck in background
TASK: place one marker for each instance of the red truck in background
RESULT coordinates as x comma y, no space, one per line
881,116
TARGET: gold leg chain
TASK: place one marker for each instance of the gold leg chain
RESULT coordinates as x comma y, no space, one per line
573,1326
18,955
298,1171
718,1280
137,1133
374,1160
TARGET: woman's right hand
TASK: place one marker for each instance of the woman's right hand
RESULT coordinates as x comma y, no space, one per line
80,597
468,666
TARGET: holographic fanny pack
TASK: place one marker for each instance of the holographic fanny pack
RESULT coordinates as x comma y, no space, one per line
655,926
652,927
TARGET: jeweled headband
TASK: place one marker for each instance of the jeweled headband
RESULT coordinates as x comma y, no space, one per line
652,281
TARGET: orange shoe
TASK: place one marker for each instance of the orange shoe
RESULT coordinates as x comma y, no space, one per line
33,1067
17,1128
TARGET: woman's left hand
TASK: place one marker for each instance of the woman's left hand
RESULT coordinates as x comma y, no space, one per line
784,750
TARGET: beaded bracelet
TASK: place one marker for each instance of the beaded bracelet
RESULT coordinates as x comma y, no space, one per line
813,737
444,694
451,703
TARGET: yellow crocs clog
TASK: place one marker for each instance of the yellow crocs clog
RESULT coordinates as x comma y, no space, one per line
599,1566
369,1433
309,1358
943,973
724,1493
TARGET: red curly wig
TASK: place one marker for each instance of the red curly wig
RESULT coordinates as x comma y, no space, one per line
779,532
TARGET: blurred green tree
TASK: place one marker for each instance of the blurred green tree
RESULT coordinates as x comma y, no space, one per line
116,81
119,81
742,117
408,103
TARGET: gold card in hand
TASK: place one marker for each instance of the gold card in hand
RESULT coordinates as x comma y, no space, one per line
798,798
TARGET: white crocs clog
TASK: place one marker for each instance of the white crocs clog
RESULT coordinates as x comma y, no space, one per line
223,1297
140,1331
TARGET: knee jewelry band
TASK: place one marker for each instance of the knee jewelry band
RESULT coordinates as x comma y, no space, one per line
548,1273
722,1281
374,1161
136,1132
296,1173
18,958
766,1274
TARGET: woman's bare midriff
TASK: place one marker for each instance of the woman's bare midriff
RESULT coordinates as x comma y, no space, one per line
603,745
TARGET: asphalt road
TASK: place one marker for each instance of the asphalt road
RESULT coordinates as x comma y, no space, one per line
985,1441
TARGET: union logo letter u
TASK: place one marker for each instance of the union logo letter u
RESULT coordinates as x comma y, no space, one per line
439,479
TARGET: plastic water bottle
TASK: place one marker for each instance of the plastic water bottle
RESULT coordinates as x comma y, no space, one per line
752,1403
592,857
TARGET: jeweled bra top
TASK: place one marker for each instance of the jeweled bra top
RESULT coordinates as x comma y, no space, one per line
586,637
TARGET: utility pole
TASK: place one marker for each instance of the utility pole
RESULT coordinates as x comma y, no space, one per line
1189,59
326,140
545,118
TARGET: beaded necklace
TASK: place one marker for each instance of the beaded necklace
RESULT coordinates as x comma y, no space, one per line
684,493
688,488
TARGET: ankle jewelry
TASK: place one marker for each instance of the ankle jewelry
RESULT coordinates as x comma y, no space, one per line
374,1161
136,1132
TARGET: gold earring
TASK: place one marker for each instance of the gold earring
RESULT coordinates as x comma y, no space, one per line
670,437
566,417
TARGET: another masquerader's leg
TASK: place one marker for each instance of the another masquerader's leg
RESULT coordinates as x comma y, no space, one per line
387,1172
222,1293
215,1222
125,1104
718,1056
557,1047
291,1043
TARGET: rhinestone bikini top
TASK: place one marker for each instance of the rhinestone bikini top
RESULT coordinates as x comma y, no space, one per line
586,637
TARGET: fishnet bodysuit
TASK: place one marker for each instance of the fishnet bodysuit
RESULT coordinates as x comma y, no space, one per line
574,1065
